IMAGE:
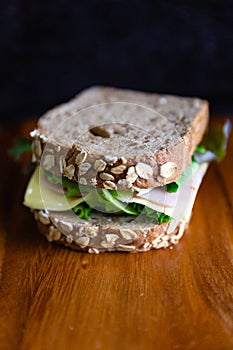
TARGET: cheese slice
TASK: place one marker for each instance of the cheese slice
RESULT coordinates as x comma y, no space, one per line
39,196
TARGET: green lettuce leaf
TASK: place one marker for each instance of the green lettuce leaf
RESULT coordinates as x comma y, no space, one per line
200,149
172,187
186,175
70,187
214,144
216,140
103,201
82,211
109,196
161,217
155,216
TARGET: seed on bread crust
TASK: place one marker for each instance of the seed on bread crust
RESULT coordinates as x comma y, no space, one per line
163,244
123,184
157,240
48,161
168,169
118,169
87,232
93,251
128,234
50,150
62,164
109,185
83,168
66,227
34,133
111,159
57,147
147,245
131,175
83,181
38,148
100,165
111,238
54,234
43,217
123,160
106,244
83,241
106,177
81,157
126,248
69,239
144,170
69,171
93,181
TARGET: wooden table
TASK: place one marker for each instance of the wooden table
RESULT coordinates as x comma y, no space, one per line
55,298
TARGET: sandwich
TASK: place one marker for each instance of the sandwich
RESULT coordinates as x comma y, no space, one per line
119,170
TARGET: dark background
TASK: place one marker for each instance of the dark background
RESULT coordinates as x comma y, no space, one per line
50,50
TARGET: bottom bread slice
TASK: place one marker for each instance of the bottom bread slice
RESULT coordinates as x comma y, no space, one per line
106,233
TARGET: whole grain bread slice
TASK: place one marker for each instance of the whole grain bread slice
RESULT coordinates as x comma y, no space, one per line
106,233
119,139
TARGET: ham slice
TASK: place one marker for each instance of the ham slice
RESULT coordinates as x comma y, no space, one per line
179,204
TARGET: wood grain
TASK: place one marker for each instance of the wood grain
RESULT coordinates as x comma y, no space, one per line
55,298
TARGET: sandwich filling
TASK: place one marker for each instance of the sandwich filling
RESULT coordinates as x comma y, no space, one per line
49,192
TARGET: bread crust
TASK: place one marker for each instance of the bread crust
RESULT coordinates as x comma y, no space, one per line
149,163
100,235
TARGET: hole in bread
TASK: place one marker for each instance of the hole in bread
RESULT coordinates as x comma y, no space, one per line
98,131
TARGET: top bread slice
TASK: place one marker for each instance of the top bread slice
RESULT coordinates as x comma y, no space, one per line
120,139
